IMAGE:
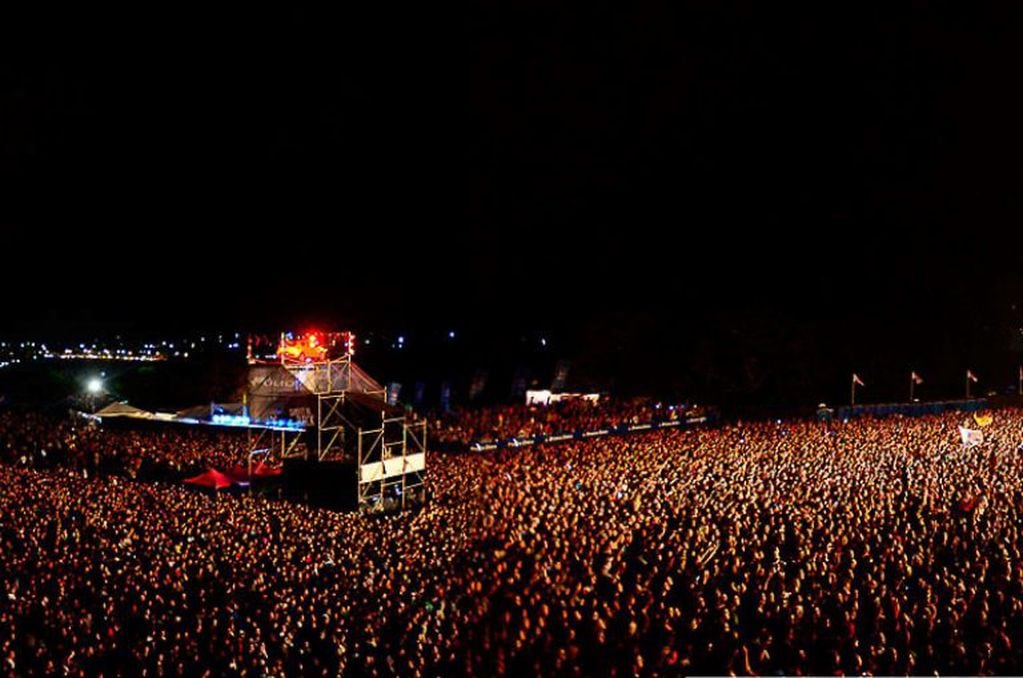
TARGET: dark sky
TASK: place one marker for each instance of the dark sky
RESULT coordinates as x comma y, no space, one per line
679,168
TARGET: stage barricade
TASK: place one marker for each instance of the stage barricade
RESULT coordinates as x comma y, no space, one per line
911,409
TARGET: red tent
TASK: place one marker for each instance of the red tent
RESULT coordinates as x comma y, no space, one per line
240,473
261,470
212,478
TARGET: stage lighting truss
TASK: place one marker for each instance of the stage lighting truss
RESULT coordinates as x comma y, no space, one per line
353,422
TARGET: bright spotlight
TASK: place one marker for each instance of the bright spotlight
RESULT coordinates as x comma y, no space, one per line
95,385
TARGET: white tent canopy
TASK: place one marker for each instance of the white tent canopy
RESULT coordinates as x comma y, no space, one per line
123,409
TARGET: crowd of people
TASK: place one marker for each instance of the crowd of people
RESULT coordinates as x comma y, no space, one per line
160,451
873,545
462,427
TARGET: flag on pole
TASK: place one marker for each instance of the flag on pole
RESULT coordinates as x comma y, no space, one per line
479,383
560,376
970,437
445,396
983,419
971,376
916,378
857,380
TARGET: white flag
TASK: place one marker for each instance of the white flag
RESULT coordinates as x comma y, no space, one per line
971,376
857,380
970,437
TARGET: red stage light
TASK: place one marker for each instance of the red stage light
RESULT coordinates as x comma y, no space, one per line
314,346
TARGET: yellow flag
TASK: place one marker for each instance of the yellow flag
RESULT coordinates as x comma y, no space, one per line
982,419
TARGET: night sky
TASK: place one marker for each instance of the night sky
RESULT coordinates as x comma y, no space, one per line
723,197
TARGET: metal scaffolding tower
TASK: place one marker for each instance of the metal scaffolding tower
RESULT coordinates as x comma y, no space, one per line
348,422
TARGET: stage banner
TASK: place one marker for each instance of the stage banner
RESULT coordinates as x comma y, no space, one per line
417,399
389,468
445,396
393,390
539,397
